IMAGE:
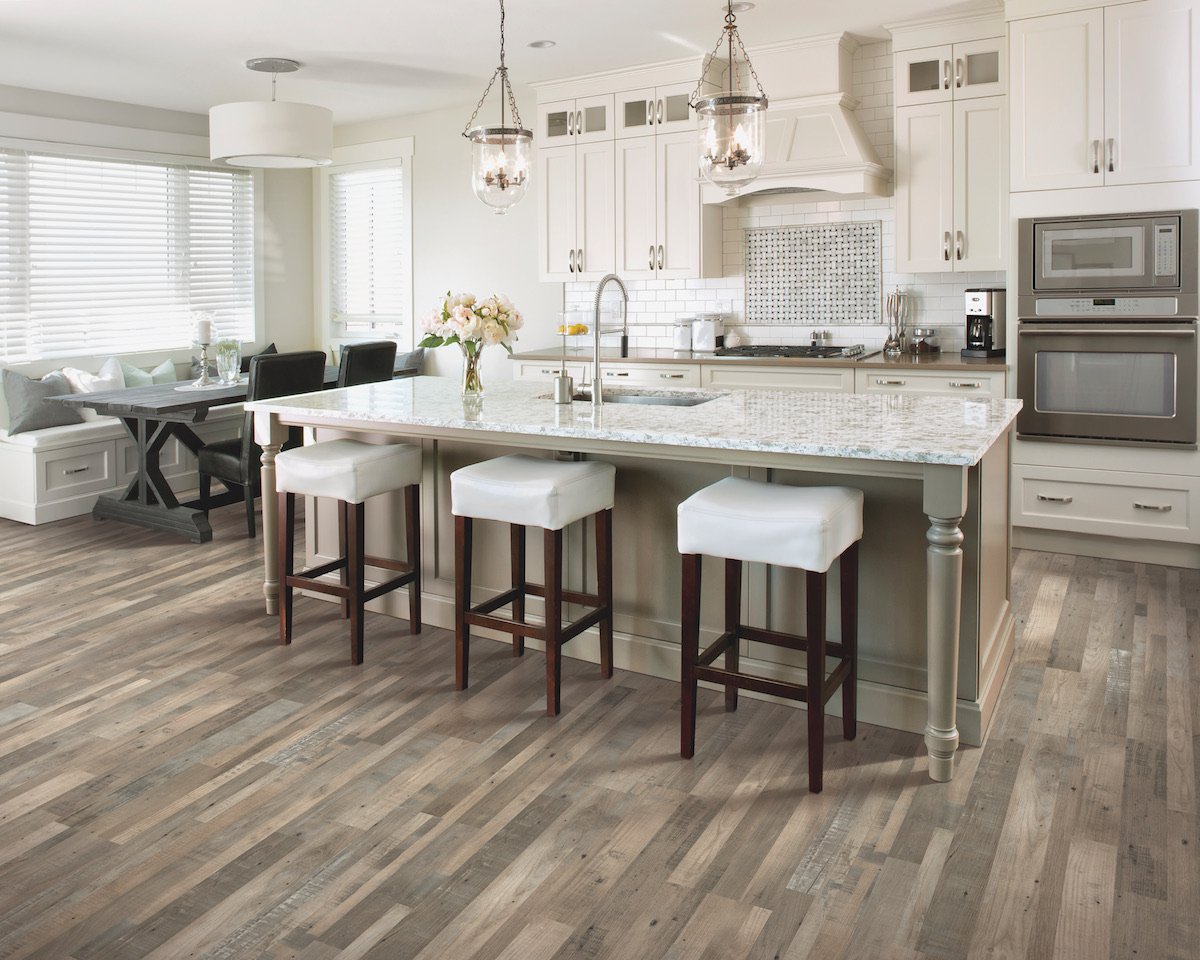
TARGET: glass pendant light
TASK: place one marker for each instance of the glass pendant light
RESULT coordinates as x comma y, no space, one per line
730,102
501,156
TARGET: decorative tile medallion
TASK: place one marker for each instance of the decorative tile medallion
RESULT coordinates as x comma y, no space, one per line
821,273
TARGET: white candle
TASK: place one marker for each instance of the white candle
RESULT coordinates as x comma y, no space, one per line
204,331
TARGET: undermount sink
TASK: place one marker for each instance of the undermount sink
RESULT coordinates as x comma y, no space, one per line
650,399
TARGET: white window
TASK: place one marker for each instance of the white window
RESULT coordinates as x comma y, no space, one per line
102,256
365,224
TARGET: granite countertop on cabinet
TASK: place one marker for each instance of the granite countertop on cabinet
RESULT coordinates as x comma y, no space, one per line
945,361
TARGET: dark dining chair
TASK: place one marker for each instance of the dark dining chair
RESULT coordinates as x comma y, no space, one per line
371,362
236,462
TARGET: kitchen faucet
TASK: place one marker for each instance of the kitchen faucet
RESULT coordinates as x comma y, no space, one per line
597,399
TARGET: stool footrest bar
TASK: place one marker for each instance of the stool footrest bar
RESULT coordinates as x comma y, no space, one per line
387,586
776,688
787,640
835,679
716,648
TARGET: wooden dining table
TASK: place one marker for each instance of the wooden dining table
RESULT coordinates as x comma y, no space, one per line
153,415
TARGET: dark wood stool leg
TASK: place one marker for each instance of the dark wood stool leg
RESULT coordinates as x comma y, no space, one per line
733,619
248,493
815,590
604,588
516,534
849,574
553,549
412,536
343,552
462,600
356,541
689,623
287,562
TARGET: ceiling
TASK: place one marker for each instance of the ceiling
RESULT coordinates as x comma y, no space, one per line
367,59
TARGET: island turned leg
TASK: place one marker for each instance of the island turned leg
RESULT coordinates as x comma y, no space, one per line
270,434
945,503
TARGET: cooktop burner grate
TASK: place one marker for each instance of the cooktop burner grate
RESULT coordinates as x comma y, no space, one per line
808,352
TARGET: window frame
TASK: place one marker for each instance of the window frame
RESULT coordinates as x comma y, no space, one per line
363,156
84,151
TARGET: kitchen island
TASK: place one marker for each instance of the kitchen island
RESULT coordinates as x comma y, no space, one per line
934,470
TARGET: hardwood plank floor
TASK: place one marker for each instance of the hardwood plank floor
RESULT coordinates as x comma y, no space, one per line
175,784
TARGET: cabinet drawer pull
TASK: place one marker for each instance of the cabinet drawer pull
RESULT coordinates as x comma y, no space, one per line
679,376
610,373
946,246
1111,151
1095,156
1156,507
1048,499
966,384
579,123
958,72
945,74
571,261
959,240
650,113
86,469
659,115
579,259
651,256
660,256
570,123
890,383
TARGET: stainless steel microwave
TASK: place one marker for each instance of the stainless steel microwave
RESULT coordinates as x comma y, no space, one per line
1132,253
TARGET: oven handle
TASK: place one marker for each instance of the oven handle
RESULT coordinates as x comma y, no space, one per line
1103,330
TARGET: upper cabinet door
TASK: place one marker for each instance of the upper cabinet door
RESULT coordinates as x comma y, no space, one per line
980,239
594,119
556,213
980,68
672,109
925,188
678,213
555,123
924,76
1056,99
635,113
595,235
1152,92
636,188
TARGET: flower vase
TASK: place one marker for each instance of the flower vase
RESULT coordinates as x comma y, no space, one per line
472,384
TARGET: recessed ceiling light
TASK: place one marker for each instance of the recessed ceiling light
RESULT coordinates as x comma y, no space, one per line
542,44
742,7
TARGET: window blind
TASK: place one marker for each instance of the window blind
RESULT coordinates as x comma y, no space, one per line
112,256
367,269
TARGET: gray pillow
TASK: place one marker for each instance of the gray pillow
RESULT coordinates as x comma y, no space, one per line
409,364
28,405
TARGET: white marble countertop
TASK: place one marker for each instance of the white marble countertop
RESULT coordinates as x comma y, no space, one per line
910,429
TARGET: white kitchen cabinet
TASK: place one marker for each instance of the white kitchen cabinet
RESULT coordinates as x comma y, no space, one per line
575,210
580,120
662,229
651,110
950,72
735,375
951,186
1106,96
650,374
984,383
546,370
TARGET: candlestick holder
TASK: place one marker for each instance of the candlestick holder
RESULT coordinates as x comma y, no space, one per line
205,380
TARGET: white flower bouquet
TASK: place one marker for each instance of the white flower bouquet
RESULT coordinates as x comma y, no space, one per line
472,324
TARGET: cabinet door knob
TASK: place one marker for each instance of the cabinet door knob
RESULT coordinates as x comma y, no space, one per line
571,259
1111,151
946,246
651,256
1048,499
958,72
1156,507
945,74
660,256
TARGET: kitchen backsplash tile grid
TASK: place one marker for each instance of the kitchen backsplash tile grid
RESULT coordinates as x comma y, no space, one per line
936,298
828,273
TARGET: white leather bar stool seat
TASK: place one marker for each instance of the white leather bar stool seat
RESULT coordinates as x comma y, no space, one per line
532,492
348,470
804,527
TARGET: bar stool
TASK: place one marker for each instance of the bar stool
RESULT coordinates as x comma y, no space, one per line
527,491
803,527
351,472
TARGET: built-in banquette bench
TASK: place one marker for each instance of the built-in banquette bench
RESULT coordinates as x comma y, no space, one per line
58,472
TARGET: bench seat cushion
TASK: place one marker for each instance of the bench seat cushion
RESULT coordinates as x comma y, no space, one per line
48,438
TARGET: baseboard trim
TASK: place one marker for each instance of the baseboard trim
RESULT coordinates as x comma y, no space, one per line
1162,552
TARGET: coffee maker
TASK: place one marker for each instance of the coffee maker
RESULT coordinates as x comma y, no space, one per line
985,322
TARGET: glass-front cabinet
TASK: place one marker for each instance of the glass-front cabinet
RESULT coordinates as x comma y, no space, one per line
584,120
650,110
950,72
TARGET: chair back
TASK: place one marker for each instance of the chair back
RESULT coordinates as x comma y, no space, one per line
366,363
279,375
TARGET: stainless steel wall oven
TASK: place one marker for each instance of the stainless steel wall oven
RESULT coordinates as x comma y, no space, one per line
1106,335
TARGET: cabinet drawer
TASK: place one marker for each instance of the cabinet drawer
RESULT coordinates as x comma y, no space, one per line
736,375
658,374
77,470
1106,502
547,370
990,384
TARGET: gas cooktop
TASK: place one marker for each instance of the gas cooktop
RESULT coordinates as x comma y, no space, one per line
809,352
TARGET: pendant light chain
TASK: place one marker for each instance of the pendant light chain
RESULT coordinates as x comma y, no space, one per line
729,34
506,90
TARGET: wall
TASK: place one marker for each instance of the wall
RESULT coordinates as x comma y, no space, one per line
936,299
39,115
458,243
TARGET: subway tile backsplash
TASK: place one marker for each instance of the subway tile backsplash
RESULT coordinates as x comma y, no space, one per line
936,299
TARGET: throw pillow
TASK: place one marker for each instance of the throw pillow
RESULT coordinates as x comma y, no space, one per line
83,382
165,373
29,403
409,364
270,348
135,376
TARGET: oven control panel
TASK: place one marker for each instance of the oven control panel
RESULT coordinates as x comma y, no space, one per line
1106,306
1166,249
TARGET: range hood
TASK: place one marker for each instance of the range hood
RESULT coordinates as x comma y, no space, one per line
815,143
